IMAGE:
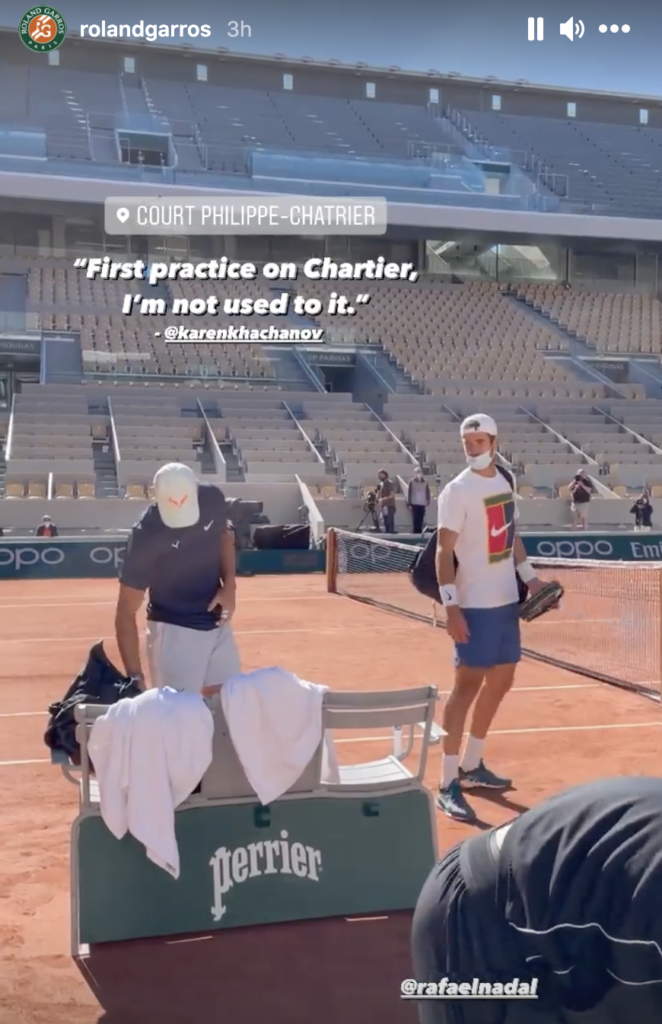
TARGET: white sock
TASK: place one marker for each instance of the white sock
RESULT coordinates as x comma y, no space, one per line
473,753
449,770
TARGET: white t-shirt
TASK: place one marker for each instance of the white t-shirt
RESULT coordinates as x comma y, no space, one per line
482,511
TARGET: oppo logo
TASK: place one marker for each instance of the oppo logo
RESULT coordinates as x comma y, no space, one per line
21,558
107,556
574,549
376,554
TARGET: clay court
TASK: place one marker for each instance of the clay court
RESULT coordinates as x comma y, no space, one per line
555,729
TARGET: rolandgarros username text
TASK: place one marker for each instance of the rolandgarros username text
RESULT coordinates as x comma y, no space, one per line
474,989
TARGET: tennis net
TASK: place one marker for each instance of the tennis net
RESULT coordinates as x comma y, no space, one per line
609,625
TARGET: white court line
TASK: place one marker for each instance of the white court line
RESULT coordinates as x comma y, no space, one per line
579,621
21,599
442,693
23,714
33,760
386,739
237,632
525,732
111,604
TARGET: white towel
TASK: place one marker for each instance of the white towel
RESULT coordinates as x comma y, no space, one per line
275,723
149,753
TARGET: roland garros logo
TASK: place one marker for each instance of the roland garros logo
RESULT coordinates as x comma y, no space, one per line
42,29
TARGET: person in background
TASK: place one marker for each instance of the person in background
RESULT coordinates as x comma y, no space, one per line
581,491
47,528
642,510
386,498
418,500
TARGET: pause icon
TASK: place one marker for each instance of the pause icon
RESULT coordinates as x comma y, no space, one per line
536,30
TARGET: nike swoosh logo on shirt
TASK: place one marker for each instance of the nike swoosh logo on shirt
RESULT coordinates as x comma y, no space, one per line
176,544
497,531
209,525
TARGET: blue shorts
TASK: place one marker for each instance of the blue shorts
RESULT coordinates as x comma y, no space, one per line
494,637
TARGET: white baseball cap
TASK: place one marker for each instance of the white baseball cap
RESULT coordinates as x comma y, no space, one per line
478,424
176,493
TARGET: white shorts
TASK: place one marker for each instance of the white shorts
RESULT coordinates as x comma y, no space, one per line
190,659
581,508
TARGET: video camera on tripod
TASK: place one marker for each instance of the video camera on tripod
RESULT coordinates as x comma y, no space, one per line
370,502
370,510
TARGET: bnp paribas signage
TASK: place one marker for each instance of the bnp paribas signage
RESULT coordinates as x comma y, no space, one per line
234,869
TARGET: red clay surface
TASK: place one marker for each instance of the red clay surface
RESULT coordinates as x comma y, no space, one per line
554,730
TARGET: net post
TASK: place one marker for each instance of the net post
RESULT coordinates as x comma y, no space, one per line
331,560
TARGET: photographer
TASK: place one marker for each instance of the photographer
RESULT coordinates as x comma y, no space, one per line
386,500
642,510
581,491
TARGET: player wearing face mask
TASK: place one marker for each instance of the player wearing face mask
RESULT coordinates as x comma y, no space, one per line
478,551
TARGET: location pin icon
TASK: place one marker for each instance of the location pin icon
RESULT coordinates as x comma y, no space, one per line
123,215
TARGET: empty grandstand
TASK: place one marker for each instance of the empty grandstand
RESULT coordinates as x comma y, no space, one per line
530,306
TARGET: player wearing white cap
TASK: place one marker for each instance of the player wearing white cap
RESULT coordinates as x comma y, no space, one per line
182,552
477,552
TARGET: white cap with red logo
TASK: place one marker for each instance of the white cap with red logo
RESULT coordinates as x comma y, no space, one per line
478,424
176,493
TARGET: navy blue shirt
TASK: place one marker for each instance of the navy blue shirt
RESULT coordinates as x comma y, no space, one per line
181,569
582,883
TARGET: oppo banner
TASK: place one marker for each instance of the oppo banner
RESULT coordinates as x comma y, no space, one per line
69,559
96,559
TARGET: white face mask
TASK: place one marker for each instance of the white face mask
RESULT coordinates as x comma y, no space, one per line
483,461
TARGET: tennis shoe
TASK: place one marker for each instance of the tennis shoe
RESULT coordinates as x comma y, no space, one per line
482,778
453,803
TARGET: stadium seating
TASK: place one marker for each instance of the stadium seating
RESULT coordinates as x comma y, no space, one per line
606,168
471,339
610,321
356,441
50,435
77,116
464,345
112,343
267,439
226,119
461,346
468,318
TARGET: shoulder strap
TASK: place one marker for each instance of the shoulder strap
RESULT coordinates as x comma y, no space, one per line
507,475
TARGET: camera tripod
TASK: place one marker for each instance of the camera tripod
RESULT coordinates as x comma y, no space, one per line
370,512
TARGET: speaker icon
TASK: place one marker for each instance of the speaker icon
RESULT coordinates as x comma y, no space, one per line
572,28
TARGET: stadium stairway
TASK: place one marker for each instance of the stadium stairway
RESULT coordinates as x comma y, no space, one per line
648,373
103,145
387,367
62,359
207,466
105,470
289,371
576,347
234,472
